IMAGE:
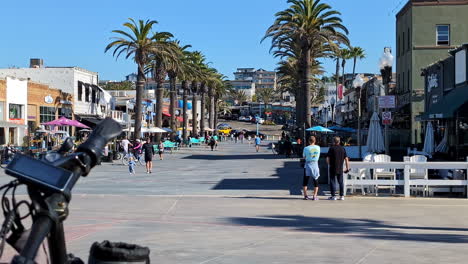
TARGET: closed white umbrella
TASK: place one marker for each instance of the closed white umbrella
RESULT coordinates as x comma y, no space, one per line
375,140
443,145
429,140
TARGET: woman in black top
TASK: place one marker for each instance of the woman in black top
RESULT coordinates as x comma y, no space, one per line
149,152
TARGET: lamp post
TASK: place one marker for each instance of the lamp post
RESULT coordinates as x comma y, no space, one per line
332,104
357,84
325,108
386,63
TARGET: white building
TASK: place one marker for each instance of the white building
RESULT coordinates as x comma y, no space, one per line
89,99
13,114
247,86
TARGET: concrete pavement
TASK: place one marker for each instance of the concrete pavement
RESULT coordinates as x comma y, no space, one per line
237,206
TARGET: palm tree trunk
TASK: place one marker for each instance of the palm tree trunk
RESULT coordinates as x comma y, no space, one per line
211,108
172,106
354,66
194,110
337,80
202,109
215,114
184,114
343,70
139,94
159,107
307,89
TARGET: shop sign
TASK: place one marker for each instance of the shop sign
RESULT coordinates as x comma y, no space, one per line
48,99
387,101
17,121
386,118
432,82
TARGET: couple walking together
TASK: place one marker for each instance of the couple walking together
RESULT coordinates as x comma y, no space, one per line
335,158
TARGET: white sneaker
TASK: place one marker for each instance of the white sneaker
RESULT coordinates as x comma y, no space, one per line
341,198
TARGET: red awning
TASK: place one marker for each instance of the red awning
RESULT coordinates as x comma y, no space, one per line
166,114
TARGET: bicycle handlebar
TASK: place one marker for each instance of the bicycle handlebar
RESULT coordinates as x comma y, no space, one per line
43,225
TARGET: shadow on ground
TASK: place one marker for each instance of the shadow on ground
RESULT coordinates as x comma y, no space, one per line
364,228
288,177
234,157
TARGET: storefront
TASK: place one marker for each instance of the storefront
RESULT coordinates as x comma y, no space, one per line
446,102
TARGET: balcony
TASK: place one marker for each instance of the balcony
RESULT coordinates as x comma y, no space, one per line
117,115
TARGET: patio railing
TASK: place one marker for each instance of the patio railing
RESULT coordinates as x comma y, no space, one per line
406,167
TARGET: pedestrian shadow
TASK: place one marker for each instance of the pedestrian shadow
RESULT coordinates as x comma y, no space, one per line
362,228
288,177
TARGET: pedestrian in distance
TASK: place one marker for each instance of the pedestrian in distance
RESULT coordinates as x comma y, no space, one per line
241,137
249,138
149,153
161,150
258,141
335,158
212,143
311,155
131,165
288,147
237,137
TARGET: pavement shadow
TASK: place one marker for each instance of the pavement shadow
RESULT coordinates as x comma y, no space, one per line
234,157
288,177
363,228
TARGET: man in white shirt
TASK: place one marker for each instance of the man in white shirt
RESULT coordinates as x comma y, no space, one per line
125,143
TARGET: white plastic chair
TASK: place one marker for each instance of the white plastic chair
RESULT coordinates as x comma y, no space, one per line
419,174
360,174
388,174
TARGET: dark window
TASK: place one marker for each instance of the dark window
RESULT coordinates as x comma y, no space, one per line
408,80
399,83
93,95
403,44
86,93
46,114
409,40
443,35
403,82
80,91
65,112
16,111
398,46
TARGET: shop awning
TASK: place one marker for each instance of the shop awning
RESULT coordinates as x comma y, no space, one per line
448,106
9,124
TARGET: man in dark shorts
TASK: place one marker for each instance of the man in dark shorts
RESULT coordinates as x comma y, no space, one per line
149,153
335,158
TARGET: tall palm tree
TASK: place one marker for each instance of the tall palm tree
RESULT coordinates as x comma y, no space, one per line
198,62
357,53
137,42
161,62
311,24
345,54
238,95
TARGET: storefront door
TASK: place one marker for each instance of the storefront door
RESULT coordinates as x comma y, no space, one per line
2,136
12,135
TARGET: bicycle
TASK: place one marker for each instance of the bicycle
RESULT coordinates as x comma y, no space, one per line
49,183
138,159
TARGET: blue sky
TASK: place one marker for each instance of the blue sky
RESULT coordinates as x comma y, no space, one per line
75,33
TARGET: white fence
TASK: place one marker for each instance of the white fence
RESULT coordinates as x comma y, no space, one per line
407,166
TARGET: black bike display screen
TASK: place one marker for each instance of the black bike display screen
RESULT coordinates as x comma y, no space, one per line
39,173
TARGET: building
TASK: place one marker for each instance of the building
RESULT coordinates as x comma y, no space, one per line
89,100
24,105
446,102
247,86
262,78
425,31
132,77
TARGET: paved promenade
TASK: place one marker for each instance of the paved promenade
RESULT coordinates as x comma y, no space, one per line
237,206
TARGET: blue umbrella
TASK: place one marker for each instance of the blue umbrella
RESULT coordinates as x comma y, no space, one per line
319,129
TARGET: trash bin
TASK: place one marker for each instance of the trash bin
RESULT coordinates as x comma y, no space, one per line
108,252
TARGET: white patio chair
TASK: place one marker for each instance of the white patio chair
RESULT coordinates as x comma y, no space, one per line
419,174
360,174
385,174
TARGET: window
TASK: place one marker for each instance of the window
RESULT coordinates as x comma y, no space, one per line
2,111
409,40
408,80
46,114
80,91
93,96
443,35
16,111
65,112
86,93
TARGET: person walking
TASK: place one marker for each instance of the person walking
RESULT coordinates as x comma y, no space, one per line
149,153
131,165
212,143
311,155
161,150
258,141
125,143
288,147
335,158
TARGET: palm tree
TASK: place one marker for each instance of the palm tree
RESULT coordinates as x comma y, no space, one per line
238,95
137,42
266,95
345,54
198,62
161,62
357,53
311,25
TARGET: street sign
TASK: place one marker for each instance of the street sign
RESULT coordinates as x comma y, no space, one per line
386,118
387,101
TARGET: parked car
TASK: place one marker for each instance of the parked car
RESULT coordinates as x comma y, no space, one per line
253,133
242,118
258,120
